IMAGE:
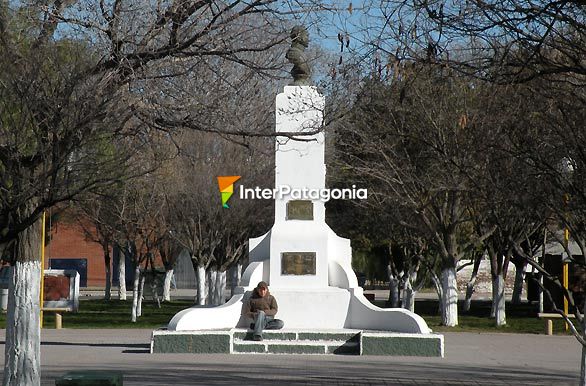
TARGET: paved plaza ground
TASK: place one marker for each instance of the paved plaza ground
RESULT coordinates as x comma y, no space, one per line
471,359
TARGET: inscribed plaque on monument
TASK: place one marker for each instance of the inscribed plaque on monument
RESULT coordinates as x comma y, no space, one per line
299,210
298,263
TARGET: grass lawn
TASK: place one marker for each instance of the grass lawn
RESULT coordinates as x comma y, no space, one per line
521,318
94,313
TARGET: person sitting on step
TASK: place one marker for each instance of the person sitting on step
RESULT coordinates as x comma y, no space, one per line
261,308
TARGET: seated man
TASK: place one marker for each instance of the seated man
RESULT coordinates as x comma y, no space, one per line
261,307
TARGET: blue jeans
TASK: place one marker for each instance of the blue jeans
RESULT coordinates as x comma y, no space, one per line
263,321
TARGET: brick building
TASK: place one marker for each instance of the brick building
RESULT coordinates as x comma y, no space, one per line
69,248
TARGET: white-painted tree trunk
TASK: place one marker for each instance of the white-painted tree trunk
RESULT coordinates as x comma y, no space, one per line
439,290
409,297
449,300
155,290
393,288
122,276
393,292
498,300
135,289
518,287
167,286
583,367
22,350
140,295
22,362
219,288
583,362
201,285
236,276
409,292
470,285
493,303
541,294
212,295
469,292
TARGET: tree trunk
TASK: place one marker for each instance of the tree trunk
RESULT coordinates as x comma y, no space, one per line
470,285
219,288
201,285
108,289
393,301
140,295
493,303
211,278
439,290
135,288
449,300
583,363
155,290
236,276
583,367
498,299
409,296
22,364
122,276
519,280
167,285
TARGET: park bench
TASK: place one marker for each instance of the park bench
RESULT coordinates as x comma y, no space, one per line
549,317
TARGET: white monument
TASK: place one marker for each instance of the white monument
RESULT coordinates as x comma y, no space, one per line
307,266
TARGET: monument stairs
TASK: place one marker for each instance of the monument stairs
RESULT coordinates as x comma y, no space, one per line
298,341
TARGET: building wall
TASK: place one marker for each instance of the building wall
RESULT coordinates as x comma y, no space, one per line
69,242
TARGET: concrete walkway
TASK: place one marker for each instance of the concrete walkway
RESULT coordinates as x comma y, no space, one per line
471,359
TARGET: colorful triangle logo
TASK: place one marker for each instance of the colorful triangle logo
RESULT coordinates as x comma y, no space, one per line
226,184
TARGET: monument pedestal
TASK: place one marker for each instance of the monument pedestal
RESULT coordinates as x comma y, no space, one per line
297,341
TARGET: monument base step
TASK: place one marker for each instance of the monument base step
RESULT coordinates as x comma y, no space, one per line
343,341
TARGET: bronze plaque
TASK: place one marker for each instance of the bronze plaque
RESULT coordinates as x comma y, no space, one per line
299,210
298,263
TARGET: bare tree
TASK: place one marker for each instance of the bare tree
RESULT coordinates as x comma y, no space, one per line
73,80
409,139
97,221
504,41
169,250
215,237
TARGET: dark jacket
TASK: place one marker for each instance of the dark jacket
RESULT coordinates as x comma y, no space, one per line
255,303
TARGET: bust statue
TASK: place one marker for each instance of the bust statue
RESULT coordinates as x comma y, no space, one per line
296,55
